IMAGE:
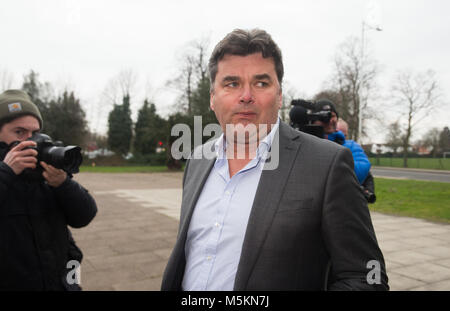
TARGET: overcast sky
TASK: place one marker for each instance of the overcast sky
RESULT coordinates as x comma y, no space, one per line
81,45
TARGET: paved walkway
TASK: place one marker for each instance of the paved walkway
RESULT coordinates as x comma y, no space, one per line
127,245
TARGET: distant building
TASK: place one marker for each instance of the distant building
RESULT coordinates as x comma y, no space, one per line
378,148
99,152
422,150
91,146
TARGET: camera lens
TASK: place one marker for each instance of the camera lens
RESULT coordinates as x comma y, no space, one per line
72,159
67,158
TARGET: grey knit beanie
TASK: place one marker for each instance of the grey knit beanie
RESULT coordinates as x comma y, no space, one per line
17,103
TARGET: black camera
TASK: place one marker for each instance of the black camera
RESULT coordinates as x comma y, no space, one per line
368,188
370,196
303,115
67,158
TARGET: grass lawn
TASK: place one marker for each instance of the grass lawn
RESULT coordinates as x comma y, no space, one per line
423,163
421,199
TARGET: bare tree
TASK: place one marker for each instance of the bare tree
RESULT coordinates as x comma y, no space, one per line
127,80
185,83
193,69
417,95
354,80
117,88
394,137
444,139
432,139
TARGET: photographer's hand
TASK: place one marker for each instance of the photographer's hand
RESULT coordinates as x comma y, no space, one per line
18,159
54,177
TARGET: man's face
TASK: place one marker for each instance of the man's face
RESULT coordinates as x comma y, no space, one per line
342,126
19,129
329,127
246,91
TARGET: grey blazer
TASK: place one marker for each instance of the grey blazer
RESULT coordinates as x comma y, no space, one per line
309,227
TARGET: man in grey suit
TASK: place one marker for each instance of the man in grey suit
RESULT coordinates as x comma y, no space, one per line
274,209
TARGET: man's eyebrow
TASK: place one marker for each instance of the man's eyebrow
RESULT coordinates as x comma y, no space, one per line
263,76
230,78
23,129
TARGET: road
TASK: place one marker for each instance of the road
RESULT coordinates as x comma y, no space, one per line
401,173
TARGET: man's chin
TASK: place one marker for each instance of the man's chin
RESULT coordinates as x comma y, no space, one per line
246,133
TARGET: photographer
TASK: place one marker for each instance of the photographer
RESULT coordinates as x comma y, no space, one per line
35,243
362,163
360,159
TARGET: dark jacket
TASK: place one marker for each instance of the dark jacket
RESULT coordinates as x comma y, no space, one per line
309,227
34,238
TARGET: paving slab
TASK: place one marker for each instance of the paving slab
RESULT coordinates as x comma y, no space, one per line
427,272
127,245
436,286
401,282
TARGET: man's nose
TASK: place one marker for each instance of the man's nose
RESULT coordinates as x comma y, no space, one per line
246,95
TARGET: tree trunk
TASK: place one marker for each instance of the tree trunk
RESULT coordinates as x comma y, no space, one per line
407,136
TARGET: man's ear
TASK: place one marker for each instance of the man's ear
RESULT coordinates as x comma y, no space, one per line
280,99
211,100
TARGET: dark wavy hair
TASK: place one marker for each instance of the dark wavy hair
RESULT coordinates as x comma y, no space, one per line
245,42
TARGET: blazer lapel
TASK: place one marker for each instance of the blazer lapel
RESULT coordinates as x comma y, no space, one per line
192,190
200,169
265,204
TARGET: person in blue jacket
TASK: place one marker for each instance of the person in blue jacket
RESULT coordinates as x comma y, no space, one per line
367,183
334,133
362,163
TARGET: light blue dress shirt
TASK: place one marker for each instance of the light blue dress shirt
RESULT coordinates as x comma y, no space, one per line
219,221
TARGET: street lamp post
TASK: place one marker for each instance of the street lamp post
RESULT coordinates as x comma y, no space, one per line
363,29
